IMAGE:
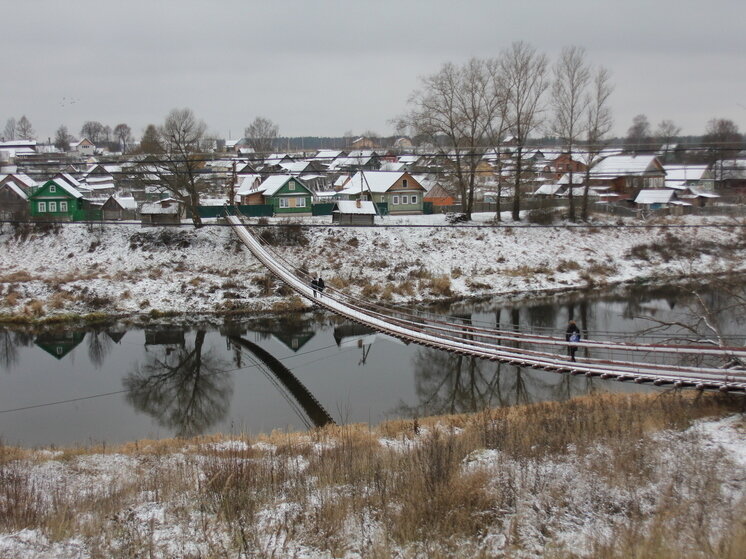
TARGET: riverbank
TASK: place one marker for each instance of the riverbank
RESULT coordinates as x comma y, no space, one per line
76,271
602,476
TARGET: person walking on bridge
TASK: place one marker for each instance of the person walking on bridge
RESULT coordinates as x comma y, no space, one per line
572,335
320,285
314,286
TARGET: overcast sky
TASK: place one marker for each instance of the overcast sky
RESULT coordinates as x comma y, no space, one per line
327,67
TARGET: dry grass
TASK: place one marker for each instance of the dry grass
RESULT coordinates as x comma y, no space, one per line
409,488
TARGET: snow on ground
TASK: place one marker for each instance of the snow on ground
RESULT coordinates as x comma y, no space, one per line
590,506
127,269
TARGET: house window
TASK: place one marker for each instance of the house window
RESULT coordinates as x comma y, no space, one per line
63,206
404,183
52,188
52,206
395,200
300,202
413,200
291,185
42,207
404,200
383,199
284,203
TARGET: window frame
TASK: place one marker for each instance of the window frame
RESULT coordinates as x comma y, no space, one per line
284,203
52,188
52,207
395,200
41,207
300,202
63,206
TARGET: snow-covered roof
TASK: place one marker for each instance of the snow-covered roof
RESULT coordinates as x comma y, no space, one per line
364,207
294,166
17,189
678,175
328,154
548,190
624,165
273,183
163,207
21,178
67,187
126,202
248,184
654,196
375,181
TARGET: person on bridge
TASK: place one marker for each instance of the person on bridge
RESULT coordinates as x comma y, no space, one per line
572,334
321,285
314,286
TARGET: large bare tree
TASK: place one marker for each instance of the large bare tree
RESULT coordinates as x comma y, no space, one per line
456,105
639,136
572,76
93,130
177,168
10,130
24,130
62,138
525,74
123,134
598,125
665,134
261,134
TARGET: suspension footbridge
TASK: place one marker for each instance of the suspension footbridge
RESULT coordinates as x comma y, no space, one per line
652,365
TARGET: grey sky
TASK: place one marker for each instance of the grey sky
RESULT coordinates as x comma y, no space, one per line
325,67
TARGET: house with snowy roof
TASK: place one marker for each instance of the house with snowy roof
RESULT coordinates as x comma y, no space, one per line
13,200
400,191
167,211
117,208
628,174
57,199
84,147
353,212
287,194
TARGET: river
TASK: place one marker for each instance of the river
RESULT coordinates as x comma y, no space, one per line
119,382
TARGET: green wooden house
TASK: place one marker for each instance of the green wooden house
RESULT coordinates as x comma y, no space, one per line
59,200
286,193
59,344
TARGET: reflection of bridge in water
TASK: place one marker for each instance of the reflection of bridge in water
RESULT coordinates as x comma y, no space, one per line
516,347
295,388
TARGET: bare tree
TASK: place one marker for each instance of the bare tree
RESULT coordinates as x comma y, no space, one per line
570,101
498,125
62,138
93,130
177,169
598,125
665,134
639,137
722,139
10,130
261,134
123,134
151,141
456,104
24,130
525,73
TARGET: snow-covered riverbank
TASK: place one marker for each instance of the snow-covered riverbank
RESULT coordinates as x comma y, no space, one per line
608,476
128,270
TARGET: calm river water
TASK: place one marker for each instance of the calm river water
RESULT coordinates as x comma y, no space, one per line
117,383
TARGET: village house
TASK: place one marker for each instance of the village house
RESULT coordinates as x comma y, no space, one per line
57,199
401,192
247,187
626,175
13,200
287,195
84,147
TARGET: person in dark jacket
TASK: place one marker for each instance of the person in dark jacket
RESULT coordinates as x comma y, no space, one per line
572,334
320,285
314,286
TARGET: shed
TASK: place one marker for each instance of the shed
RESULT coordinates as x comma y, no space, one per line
354,212
164,212
119,207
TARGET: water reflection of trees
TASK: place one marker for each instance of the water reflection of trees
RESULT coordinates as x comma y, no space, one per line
447,383
186,389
